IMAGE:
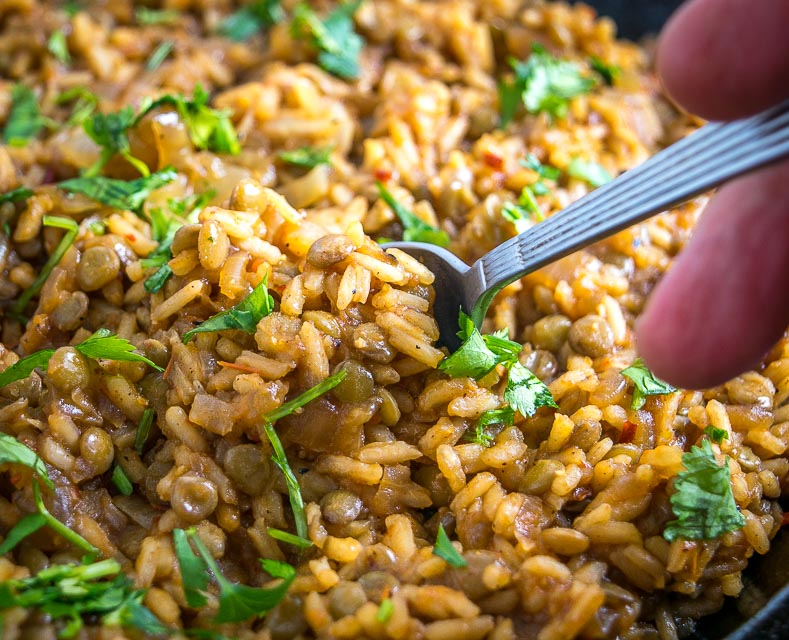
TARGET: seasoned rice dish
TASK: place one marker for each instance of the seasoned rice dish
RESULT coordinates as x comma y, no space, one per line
224,410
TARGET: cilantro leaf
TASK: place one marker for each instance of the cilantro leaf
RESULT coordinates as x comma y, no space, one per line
121,481
208,128
146,16
193,570
525,392
279,457
24,119
545,171
156,281
478,354
525,212
414,228
703,501
14,452
85,104
289,538
593,173
504,415
108,130
28,525
159,55
715,434
608,72
58,47
250,19
104,344
308,157
339,46
243,316
646,384
20,194
120,194
143,430
385,610
72,229
446,550
23,367
132,613
543,83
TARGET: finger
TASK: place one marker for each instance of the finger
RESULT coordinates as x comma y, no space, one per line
725,59
724,302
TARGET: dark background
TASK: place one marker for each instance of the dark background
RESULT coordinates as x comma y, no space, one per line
636,18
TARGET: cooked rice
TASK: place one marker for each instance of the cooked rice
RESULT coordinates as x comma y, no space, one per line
559,520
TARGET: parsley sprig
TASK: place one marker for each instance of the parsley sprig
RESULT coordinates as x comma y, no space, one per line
542,84
250,19
243,316
72,593
339,46
414,228
237,602
101,345
645,383
703,502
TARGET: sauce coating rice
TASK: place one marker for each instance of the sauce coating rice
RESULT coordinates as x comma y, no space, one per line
402,515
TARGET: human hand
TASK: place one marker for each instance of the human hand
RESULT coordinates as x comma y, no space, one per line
725,301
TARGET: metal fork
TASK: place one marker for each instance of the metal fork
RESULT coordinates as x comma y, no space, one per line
705,159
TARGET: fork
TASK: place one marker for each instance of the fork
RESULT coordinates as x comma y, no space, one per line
703,160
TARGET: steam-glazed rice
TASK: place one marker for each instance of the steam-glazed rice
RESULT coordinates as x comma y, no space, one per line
559,518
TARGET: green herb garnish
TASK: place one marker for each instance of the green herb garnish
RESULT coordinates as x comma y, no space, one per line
593,173
545,171
146,16
109,131
159,55
715,434
72,229
608,72
120,194
289,538
279,457
70,593
244,316
414,228
85,104
248,20
385,610
646,384
143,430
446,550
14,452
504,415
523,213
237,602
339,46
121,481
58,47
101,345
308,157
543,84
24,119
526,392
27,526
703,501
208,128
20,194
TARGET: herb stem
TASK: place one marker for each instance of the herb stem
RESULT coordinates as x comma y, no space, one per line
61,529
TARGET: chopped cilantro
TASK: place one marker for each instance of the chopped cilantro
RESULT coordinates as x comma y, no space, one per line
208,128
308,157
120,194
279,457
69,594
109,131
24,119
14,452
121,481
243,316
27,526
385,610
143,430
525,212
525,392
250,19
159,55
237,602
61,529
505,415
20,194
414,228
72,229
85,104
58,47
146,16
702,501
545,171
591,172
646,384
446,550
289,538
608,72
543,84
339,46
715,434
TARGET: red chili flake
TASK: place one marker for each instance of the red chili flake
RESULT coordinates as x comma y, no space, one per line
384,175
628,433
493,160
131,237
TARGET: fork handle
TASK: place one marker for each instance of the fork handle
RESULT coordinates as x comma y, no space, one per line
705,159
